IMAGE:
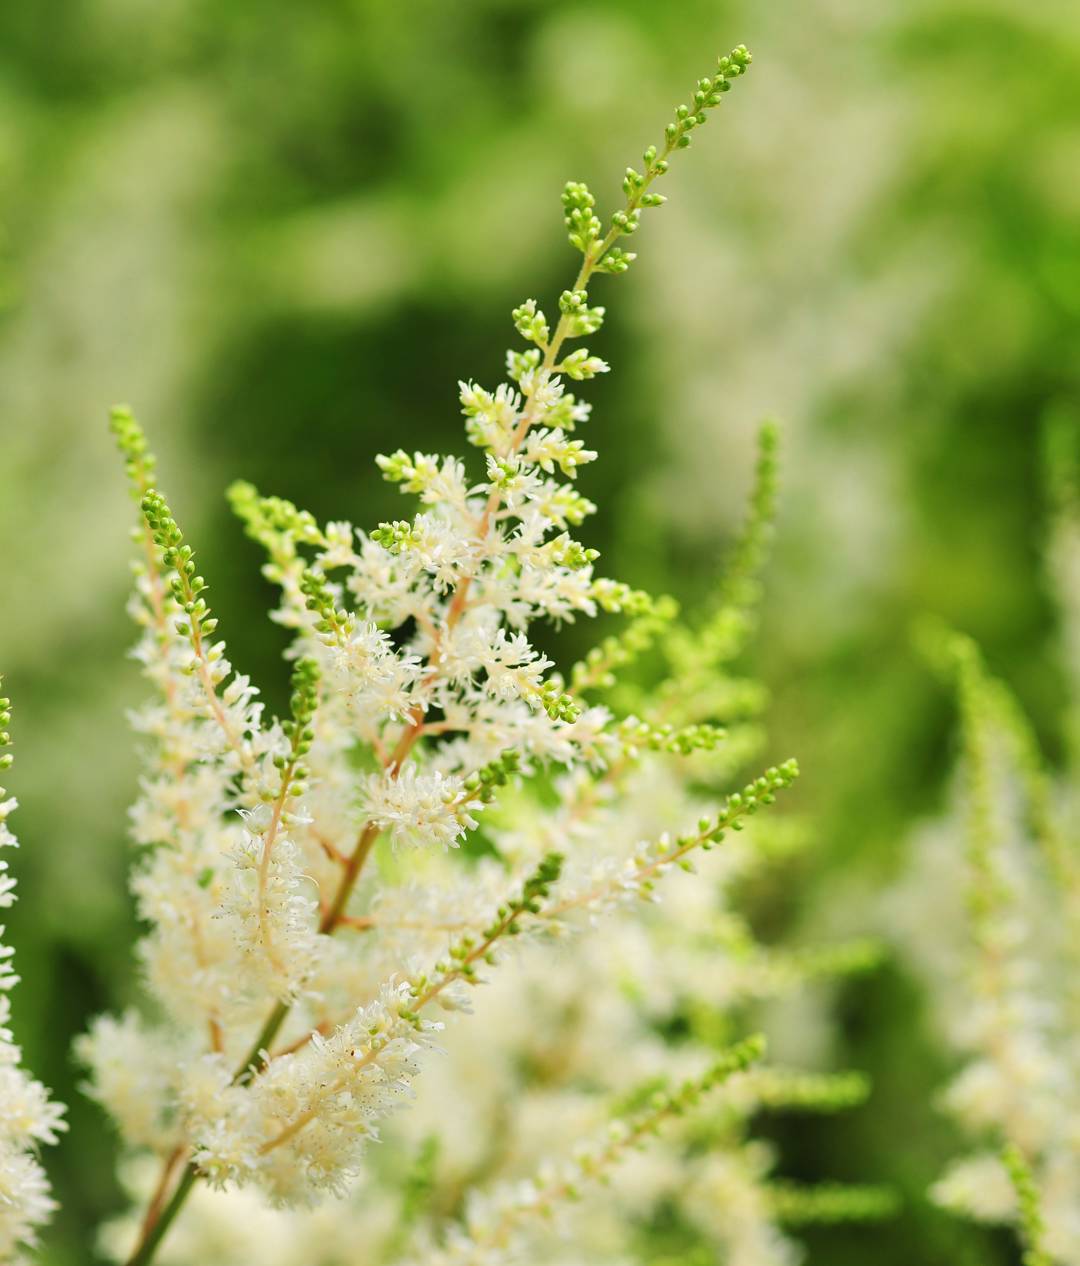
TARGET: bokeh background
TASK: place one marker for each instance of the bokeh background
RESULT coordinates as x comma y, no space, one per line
283,231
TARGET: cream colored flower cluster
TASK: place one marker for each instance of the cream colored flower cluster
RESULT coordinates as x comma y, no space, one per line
28,1117
561,843
1006,986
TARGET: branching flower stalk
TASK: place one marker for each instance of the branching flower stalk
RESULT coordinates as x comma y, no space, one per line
494,1223
1016,1015
1020,1083
439,714
324,891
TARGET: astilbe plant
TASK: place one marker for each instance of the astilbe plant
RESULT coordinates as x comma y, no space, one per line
1008,990
564,1040
324,891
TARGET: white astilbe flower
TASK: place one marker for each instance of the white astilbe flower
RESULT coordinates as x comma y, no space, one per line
291,1117
378,682
269,907
514,669
491,417
25,1200
28,1117
257,836
136,1076
418,807
303,1124
1005,983
209,810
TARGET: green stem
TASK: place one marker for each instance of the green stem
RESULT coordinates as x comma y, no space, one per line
267,1033
148,1246
355,865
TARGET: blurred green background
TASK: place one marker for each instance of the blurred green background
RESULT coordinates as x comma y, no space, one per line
283,231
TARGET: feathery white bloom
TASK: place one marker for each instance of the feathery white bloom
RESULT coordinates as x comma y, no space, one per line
302,1125
28,1117
135,1076
419,807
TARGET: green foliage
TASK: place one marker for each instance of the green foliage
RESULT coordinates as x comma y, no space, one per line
831,1203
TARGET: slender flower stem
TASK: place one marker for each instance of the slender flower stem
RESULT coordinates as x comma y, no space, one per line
267,850
153,1209
593,256
596,1164
147,1246
254,1059
336,911
473,957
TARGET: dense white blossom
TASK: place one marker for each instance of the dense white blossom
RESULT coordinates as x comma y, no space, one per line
28,1116
420,807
